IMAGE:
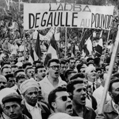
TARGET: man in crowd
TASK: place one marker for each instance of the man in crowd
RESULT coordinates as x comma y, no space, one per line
10,80
30,72
5,70
91,77
33,108
63,70
40,72
98,93
111,109
52,80
11,107
59,100
77,89
14,68
71,63
3,82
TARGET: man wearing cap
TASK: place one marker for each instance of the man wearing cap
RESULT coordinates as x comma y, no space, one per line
11,106
33,108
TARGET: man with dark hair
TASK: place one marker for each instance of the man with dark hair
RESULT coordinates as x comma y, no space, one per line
5,70
10,80
62,69
72,63
14,68
52,80
40,72
26,64
59,100
37,63
77,88
111,109
30,72
20,71
68,74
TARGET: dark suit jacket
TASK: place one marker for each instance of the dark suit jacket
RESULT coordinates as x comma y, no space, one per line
45,111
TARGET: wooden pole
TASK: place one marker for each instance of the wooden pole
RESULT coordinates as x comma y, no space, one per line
66,42
113,57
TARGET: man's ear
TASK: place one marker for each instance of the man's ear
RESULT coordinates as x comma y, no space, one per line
54,105
110,94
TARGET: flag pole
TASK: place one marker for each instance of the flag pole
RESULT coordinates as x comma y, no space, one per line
113,57
66,42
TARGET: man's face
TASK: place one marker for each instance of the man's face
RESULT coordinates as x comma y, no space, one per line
12,109
11,82
3,83
79,94
63,103
62,68
31,96
54,70
6,71
83,70
91,74
41,73
30,73
115,92
77,62
72,64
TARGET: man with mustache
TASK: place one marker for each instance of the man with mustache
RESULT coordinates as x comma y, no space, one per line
77,89
33,108
52,80
60,100
12,107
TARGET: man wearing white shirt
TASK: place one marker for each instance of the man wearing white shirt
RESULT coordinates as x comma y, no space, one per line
33,108
52,80
98,93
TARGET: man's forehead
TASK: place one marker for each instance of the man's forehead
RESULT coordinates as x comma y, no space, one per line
54,63
115,85
11,103
62,93
79,85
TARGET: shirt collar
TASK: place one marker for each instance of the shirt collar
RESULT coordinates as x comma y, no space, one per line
115,106
29,107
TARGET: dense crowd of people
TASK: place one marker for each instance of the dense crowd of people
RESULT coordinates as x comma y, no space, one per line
70,87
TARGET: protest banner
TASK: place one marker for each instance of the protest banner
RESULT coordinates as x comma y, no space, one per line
40,16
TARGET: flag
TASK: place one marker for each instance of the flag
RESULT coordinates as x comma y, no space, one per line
89,46
53,50
87,33
33,56
98,48
37,47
